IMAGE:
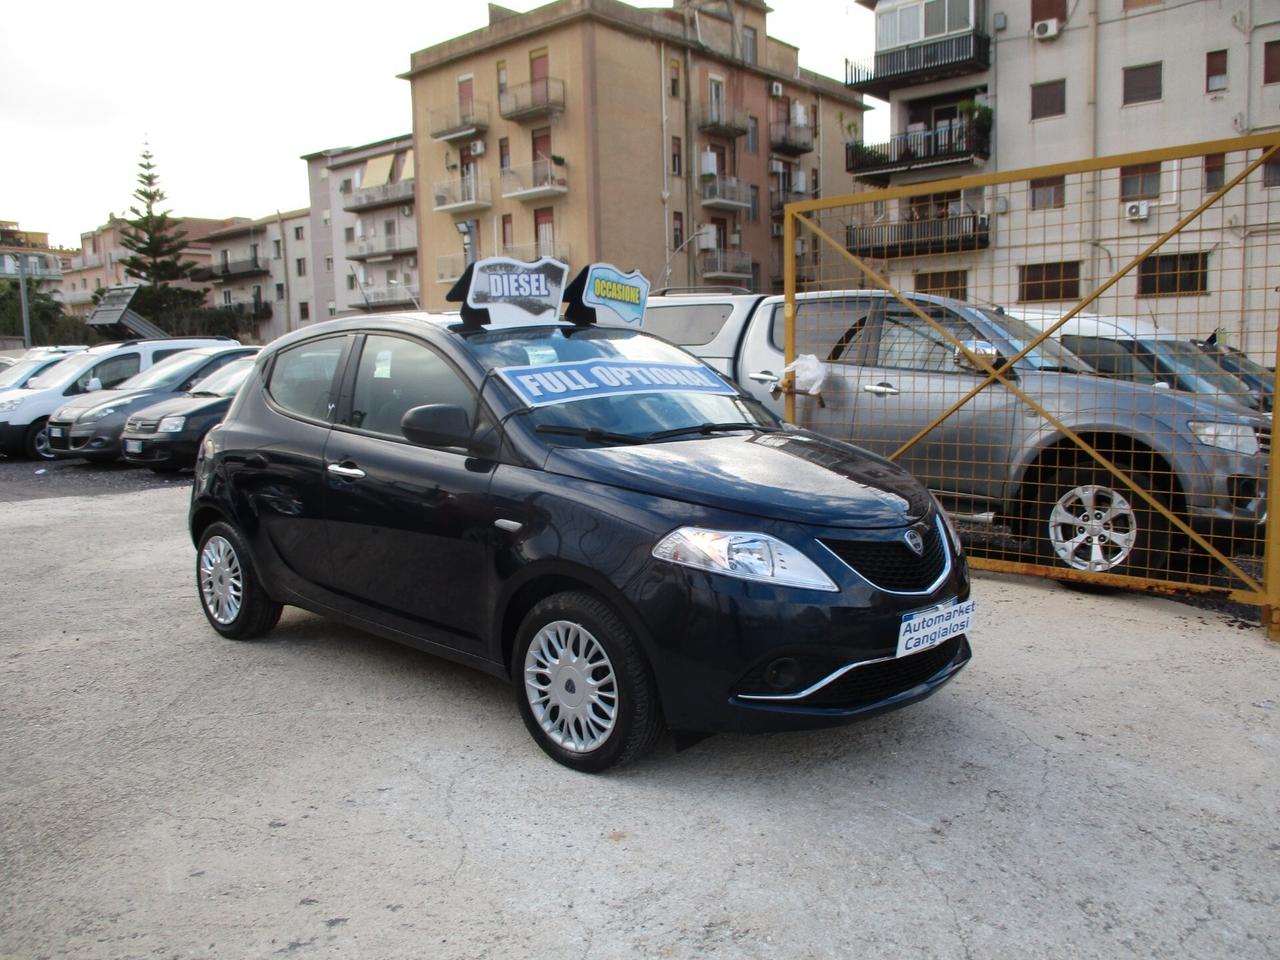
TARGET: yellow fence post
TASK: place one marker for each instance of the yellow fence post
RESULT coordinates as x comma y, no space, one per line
789,309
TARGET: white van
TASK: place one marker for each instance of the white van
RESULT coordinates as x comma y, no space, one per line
25,410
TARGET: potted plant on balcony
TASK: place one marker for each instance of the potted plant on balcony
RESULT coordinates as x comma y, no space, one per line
978,117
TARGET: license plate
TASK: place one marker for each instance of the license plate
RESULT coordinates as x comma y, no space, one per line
55,431
928,628
133,446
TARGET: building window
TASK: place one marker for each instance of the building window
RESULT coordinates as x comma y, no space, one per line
504,154
675,156
345,186
1049,281
1215,168
1215,71
944,283
1173,274
753,212
907,23
226,298
279,292
297,233
508,233
502,76
677,230
1271,173
1047,192
388,228
675,77
1048,10
1143,84
275,249
753,135
301,264
749,45
304,310
349,234
333,309
1048,99
328,264
1271,62
1140,182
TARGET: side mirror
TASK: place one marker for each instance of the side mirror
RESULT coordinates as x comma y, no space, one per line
981,348
94,384
437,425
1162,384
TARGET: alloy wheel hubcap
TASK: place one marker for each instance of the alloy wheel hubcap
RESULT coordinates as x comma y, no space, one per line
1092,527
221,580
571,686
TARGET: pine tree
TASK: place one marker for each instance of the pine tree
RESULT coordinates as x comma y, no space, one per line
156,240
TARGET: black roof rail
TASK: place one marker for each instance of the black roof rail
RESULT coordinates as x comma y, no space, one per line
707,289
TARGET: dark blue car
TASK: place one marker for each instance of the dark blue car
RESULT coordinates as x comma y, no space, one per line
586,511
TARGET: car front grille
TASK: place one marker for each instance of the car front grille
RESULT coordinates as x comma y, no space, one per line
891,564
887,678
140,425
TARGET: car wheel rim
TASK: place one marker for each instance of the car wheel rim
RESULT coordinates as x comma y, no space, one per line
41,444
221,580
571,686
1093,528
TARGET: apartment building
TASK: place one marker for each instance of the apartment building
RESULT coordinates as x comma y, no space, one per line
97,264
363,227
28,253
262,270
990,85
666,140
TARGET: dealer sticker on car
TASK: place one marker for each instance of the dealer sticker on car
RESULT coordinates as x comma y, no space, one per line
928,628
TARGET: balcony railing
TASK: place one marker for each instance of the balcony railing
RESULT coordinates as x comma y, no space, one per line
534,181
365,247
86,261
458,123
248,309
231,270
462,195
449,268
380,196
778,199
790,138
538,249
807,264
920,63
916,238
390,295
532,100
724,264
726,193
954,143
34,271
77,296
722,120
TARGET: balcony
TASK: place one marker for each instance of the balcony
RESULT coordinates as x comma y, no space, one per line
38,271
373,248
792,139
461,196
725,264
248,309
778,199
725,193
449,268
535,181
556,249
76,297
533,100
807,265
955,143
464,122
231,270
392,295
920,63
722,120
86,261
385,195
918,238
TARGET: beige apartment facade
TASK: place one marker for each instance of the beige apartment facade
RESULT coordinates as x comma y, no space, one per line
661,140
27,253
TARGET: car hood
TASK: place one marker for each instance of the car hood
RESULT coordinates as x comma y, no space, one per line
183,405
794,476
117,398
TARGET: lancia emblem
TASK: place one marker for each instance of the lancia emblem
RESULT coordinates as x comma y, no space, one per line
915,542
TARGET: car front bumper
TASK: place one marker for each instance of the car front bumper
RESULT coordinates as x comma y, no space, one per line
68,441
159,449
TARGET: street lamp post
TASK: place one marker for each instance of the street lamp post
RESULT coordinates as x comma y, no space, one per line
666,269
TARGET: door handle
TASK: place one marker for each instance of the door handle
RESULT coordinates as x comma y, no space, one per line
881,389
763,376
346,473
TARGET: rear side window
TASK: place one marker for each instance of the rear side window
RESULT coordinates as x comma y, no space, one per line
165,354
831,328
395,375
301,379
691,325
110,372
1109,357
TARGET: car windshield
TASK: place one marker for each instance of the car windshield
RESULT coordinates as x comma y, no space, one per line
1201,372
13,376
168,372
592,385
62,372
1247,363
1048,355
225,382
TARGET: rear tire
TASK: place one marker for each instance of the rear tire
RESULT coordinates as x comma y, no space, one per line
231,595
35,444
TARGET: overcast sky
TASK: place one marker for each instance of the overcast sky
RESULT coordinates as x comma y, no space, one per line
231,94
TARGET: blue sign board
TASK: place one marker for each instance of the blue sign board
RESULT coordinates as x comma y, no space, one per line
541,384
619,294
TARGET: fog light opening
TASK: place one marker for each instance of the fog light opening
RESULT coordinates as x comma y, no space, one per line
782,673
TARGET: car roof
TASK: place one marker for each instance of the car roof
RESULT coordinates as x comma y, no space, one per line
1092,324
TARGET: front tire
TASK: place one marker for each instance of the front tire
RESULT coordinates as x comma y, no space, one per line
35,443
582,684
231,595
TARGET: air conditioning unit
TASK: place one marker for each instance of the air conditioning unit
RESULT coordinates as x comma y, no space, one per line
407,210
707,237
775,89
413,263
1046,29
775,229
1137,210
735,239
477,148
776,166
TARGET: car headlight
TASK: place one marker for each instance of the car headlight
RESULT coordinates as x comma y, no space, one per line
8,406
171,425
748,556
96,414
1240,437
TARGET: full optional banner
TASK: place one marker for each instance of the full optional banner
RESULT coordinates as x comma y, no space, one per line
544,384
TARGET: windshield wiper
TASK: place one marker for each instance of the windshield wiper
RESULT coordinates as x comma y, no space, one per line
709,428
203,393
591,433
